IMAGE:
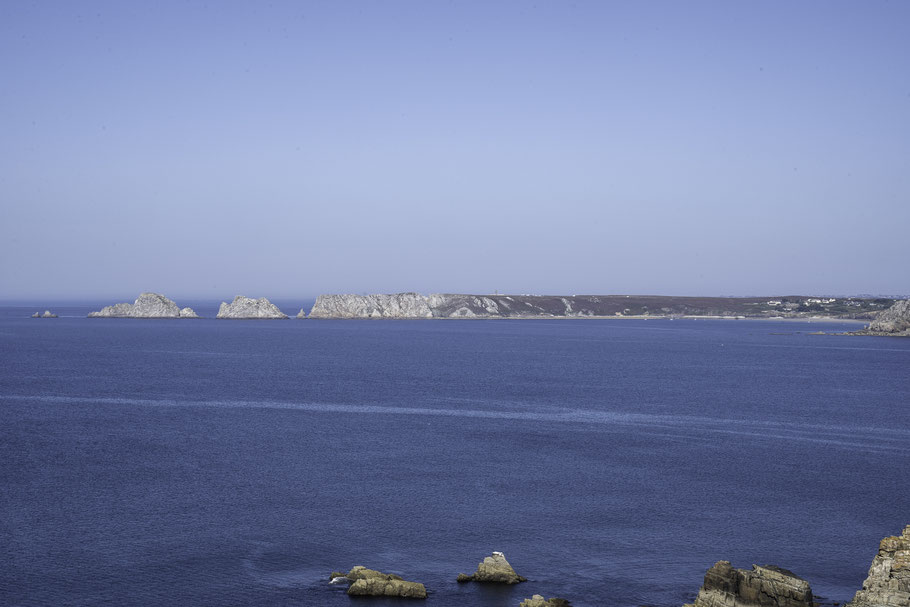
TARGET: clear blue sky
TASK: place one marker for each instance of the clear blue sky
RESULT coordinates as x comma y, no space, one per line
287,149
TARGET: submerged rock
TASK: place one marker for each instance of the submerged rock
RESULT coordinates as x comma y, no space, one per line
888,584
538,601
147,305
764,586
247,307
494,569
369,582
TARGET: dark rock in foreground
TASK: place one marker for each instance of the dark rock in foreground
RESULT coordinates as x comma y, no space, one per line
765,586
888,584
369,582
147,305
538,601
494,569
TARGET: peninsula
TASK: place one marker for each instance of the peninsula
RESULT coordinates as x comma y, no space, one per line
415,305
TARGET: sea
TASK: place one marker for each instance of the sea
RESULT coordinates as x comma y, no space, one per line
232,462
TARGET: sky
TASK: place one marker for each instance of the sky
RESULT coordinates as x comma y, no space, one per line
287,149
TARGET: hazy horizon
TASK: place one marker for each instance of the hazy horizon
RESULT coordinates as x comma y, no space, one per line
701,148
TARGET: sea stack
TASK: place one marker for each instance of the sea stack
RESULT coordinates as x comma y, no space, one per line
47,314
246,307
494,569
888,584
147,305
763,586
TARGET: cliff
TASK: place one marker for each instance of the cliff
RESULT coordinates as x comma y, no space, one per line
454,305
888,584
895,321
247,307
147,305
399,305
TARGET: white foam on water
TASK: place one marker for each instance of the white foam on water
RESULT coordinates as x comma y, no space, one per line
865,438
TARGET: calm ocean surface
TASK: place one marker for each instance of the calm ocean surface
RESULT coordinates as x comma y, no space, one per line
180,462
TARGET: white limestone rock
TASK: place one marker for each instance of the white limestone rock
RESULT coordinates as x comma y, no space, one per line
246,307
147,305
888,584
398,305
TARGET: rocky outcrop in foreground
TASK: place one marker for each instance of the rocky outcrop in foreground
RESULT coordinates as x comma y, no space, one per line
765,586
538,601
895,321
246,307
369,582
47,314
148,305
494,569
888,584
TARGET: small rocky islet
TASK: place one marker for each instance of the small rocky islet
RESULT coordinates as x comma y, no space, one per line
147,305
887,585
248,308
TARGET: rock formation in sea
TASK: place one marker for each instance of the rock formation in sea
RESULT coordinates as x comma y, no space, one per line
147,305
301,314
399,305
494,569
369,582
47,314
895,321
888,584
763,586
247,307
538,601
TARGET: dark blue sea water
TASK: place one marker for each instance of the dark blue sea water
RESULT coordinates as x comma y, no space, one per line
159,462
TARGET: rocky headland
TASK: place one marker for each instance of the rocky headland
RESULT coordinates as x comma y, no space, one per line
762,586
369,582
147,305
453,305
246,308
888,584
894,322
494,569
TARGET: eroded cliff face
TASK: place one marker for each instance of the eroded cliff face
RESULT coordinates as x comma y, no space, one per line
893,321
398,305
763,586
147,305
448,305
246,307
888,584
